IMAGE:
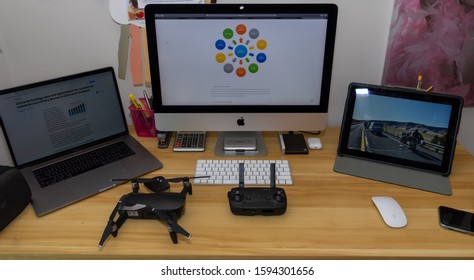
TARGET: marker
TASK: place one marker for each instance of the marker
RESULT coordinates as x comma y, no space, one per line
419,84
134,102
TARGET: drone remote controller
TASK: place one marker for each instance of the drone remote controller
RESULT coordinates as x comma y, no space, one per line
269,201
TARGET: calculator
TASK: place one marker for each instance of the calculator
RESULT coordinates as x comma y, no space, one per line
189,141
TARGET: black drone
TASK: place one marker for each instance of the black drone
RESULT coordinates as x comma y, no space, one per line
160,205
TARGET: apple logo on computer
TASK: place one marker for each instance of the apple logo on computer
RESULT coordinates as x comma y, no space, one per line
241,121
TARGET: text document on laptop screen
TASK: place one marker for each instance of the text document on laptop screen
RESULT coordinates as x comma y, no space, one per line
37,116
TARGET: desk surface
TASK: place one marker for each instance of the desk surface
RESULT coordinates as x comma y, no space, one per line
329,216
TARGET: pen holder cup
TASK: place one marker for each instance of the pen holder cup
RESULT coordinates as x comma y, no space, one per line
143,121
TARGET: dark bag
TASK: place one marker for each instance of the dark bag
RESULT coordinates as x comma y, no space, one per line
15,194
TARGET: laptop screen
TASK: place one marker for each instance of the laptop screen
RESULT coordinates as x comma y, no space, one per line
60,115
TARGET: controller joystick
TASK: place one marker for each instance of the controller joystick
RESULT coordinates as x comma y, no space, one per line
279,196
237,196
257,201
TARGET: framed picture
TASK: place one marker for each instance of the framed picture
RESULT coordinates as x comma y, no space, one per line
431,46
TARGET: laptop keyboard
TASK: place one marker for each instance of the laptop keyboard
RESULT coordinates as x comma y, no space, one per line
77,165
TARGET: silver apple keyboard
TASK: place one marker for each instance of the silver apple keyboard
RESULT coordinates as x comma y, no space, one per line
257,172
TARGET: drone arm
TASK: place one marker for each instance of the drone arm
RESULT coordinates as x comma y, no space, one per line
121,219
107,232
109,228
187,187
172,224
174,237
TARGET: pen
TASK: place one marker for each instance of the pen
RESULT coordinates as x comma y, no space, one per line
429,89
147,99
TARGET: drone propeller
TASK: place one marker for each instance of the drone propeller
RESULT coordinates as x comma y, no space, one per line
160,179
181,179
159,183
155,184
142,180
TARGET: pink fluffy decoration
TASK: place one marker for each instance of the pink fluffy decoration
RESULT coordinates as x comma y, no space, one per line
433,40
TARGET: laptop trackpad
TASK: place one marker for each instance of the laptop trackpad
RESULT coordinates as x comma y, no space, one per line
51,198
91,182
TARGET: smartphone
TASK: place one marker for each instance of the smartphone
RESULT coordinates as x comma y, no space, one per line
457,220
164,138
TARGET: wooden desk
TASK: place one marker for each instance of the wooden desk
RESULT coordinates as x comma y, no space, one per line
329,216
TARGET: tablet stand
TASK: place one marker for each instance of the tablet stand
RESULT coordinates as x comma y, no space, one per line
393,174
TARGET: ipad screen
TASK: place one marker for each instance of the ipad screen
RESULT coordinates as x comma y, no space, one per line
400,126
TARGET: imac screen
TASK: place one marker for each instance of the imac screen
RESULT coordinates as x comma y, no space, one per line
267,64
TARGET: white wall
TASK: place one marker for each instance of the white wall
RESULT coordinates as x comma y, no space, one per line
46,39
5,81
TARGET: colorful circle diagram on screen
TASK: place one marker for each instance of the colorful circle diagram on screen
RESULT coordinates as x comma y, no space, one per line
241,50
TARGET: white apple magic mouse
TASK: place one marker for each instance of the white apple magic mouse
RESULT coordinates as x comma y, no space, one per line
391,212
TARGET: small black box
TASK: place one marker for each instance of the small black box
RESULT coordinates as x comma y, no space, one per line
293,144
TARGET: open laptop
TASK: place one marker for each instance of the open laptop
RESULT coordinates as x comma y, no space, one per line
66,119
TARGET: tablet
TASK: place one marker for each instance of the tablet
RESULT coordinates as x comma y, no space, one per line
400,126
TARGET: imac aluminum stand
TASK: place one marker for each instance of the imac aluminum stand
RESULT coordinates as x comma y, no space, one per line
247,143
394,174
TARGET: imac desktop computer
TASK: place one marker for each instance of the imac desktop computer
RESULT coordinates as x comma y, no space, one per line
240,69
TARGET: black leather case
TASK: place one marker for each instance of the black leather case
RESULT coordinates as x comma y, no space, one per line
15,194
